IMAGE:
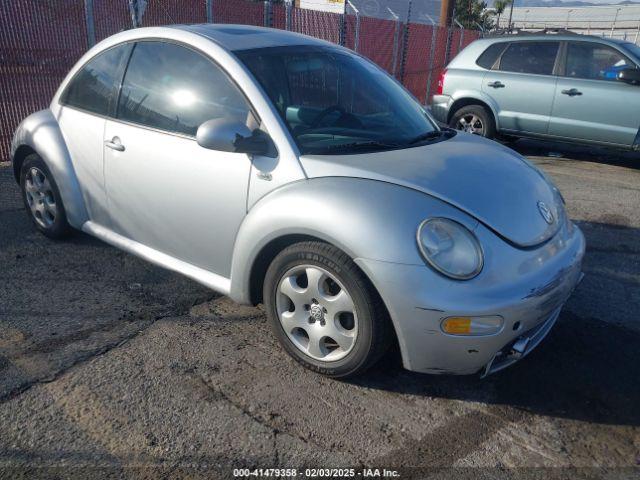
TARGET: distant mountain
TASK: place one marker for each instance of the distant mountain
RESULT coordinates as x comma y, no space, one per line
569,3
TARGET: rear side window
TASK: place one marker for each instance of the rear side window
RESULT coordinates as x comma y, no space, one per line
173,88
95,85
490,55
530,57
594,61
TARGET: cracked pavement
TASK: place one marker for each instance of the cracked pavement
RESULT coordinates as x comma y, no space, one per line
113,367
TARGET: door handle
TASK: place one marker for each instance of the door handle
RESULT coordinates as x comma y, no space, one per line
572,92
496,84
114,144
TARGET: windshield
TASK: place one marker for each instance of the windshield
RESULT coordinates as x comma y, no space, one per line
334,102
632,48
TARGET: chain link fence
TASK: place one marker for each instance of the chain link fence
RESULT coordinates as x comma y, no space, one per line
40,40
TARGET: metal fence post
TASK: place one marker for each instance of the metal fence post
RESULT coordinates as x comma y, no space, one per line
637,33
396,39
447,48
432,52
405,42
88,17
288,11
209,6
356,39
613,25
268,20
461,34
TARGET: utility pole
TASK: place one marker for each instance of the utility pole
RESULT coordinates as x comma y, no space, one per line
446,12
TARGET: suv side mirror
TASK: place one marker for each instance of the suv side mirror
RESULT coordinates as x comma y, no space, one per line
629,75
232,136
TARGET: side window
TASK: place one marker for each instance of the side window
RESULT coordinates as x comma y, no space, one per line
95,85
490,55
530,57
594,61
173,88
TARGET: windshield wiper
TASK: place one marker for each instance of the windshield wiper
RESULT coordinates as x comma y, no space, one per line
354,146
425,136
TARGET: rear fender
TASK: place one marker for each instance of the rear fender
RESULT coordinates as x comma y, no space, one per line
471,97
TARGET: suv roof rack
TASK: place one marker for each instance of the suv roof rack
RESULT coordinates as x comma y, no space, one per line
521,32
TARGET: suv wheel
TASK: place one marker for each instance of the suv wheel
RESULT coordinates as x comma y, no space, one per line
474,119
324,311
42,198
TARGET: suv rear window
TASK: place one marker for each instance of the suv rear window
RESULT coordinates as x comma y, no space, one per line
530,57
490,55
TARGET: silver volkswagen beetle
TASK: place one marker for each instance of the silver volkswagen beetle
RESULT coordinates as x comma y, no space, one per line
280,169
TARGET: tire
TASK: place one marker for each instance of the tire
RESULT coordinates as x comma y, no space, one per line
474,119
299,313
41,198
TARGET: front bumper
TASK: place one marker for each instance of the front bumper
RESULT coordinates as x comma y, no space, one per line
527,288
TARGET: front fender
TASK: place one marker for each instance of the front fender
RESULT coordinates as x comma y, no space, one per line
41,132
366,219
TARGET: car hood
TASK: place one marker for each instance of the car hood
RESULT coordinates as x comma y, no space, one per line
480,177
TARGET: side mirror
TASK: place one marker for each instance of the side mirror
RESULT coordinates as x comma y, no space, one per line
629,75
232,136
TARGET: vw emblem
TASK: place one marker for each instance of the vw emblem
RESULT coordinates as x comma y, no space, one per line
545,212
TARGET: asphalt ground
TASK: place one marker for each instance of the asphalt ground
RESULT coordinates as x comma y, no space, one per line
112,367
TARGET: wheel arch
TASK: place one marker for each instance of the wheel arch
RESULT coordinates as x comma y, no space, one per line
268,253
40,133
22,152
463,100
265,257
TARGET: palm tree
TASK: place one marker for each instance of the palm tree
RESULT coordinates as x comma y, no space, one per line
499,7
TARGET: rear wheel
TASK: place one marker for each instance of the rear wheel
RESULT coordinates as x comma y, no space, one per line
474,119
42,199
324,311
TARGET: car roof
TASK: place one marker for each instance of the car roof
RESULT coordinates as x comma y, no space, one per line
247,37
575,37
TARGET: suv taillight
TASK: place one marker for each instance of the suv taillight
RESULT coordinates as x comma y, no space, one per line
440,88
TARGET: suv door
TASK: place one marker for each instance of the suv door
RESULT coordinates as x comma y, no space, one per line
84,105
164,190
523,84
590,104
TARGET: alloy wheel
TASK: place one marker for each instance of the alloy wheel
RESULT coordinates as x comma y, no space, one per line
317,313
470,123
40,198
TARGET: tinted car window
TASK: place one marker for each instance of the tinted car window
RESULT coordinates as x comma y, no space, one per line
94,86
490,55
174,88
632,48
530,57
335,102
594,61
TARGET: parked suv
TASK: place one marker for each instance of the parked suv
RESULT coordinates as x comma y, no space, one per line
574,88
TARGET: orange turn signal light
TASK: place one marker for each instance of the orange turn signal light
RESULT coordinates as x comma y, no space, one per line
457,325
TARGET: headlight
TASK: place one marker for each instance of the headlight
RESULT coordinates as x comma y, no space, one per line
450,248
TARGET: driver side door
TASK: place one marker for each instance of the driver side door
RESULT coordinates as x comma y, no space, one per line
164,190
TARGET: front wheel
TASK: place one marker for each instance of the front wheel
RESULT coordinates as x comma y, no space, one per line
474,119
42,198
324,311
